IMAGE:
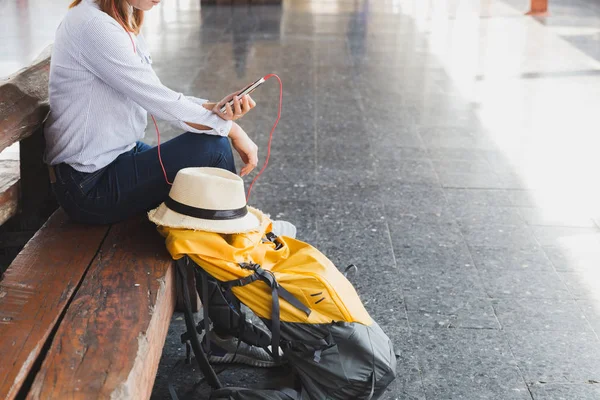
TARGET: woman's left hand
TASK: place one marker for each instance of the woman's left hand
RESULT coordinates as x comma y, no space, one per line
239,109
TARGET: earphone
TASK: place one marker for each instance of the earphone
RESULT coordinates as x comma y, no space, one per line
266,77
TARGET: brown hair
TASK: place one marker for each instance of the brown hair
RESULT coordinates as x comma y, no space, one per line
118,9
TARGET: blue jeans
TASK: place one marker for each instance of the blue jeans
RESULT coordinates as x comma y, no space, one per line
134,183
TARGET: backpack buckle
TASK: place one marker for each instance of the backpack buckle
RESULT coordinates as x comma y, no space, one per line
271,237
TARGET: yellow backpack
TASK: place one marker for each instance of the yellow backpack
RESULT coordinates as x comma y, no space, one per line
299,268
335,349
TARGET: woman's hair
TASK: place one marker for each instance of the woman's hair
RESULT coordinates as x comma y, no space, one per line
119,10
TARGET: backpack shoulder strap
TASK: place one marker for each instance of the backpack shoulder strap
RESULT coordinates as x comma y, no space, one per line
201,359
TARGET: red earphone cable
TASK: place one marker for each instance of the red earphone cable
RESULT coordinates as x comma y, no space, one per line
158,148
270,135
267,77
155,126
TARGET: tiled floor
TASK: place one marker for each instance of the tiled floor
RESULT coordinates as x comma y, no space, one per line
448,148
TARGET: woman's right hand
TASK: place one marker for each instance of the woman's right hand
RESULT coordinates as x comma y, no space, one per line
239,109
245,147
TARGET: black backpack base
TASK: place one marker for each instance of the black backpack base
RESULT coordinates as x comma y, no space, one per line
336,361
234,393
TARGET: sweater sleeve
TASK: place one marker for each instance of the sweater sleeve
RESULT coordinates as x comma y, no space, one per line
107,51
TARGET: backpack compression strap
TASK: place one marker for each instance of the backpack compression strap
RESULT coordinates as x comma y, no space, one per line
201,359
277,291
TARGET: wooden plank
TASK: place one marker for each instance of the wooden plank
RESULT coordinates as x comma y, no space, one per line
110,341
9,202
9,189
24,101
35,290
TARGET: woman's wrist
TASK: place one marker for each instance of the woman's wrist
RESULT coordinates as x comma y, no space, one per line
235,132
209,105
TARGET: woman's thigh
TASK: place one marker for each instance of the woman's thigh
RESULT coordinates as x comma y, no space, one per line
135,181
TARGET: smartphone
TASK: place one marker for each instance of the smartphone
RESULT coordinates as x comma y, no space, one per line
247,90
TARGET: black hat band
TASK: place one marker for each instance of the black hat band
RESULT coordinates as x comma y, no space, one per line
204,213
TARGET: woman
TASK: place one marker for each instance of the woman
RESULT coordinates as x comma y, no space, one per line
101,89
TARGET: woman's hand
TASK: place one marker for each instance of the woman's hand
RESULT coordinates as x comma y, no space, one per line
239,109
245,147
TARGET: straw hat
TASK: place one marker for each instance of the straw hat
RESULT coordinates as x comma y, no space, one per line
207,199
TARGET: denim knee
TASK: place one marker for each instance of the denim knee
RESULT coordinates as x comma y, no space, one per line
218,147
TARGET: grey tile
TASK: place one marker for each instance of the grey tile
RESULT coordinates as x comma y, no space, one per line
556,391
413,197
574,258
269,193
455,137
498,258
477,197
471,155
555,236
591,310
546,217
583,284
407,385
462,166
468,364
454,119
524,198
460,385
540,315
363,242
348,201
468,214
445,282
408,171
406,232
382,153
428,257
523,283
484,180
443,311
397,144
499,236
421,203
293,170
382,295
344,127
514,181
556,357
345,156
302,214
338,174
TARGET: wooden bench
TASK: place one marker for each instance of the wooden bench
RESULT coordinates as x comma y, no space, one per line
84,310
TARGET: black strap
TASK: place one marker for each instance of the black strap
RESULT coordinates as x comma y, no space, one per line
240,282
290,298
201,359
269,279
205,213
271,237
276,292
373,377
207,323
275,324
